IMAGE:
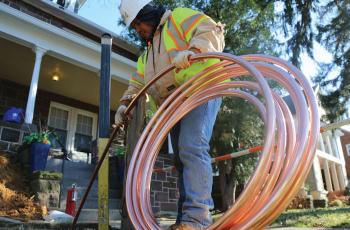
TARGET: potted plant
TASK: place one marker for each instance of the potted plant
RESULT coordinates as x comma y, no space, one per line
39,144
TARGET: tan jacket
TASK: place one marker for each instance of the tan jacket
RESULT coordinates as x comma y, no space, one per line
207,37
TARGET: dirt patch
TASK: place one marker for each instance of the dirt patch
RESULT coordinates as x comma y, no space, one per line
342,196
15,201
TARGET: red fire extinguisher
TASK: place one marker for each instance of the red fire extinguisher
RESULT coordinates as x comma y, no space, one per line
71,200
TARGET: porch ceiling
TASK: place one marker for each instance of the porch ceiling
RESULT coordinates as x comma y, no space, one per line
17,63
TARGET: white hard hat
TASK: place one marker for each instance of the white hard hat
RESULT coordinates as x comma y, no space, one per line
130,8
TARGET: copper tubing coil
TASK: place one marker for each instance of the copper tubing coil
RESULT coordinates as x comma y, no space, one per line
289,144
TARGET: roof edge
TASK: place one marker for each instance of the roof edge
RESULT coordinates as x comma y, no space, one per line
82,23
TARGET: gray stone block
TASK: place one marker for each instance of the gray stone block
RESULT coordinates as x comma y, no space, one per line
14,147
162,196
49,199
168,207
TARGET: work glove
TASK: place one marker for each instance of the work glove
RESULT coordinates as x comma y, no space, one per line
120,116
181,59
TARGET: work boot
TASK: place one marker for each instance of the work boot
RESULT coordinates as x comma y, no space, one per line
180,227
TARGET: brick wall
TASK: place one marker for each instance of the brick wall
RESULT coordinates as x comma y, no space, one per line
11,134
30,10
164,189
15,95
12,95
346,140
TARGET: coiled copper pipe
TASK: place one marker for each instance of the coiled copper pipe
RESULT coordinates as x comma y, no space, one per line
289,145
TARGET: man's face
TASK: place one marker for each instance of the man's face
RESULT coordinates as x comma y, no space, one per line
144,29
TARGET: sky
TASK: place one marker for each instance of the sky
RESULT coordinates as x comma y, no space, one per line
105,13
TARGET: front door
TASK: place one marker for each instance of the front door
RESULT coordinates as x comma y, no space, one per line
75,128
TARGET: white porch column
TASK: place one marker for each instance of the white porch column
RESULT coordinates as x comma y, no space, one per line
341,167
341,177
338,143
317,189
329,145
321,143
39,53
327,176
335,147
334,177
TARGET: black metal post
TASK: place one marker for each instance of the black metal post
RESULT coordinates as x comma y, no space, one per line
105,87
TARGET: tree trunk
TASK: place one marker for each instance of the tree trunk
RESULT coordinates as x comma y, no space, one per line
226,185
134,132
234,189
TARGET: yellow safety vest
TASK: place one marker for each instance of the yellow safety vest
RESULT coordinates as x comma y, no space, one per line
177,34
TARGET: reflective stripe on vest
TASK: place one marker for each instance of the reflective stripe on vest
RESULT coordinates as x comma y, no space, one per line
177,36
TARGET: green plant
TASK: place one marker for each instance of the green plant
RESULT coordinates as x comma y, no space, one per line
336,203
38,137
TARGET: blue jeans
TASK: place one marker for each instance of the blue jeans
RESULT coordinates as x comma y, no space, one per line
191,138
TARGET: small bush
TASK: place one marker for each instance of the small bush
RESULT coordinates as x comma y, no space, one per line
336,203
347,191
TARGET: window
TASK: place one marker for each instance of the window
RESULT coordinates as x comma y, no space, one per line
83,133
76,129
348,149
58,121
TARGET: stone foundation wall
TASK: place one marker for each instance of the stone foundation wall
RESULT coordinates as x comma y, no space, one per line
46,188
164,187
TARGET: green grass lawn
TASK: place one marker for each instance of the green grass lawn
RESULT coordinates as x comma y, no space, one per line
336,217
321,217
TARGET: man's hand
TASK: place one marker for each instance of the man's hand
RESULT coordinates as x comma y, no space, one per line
120,116
181,60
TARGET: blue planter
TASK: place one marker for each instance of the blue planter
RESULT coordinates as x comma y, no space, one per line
38,156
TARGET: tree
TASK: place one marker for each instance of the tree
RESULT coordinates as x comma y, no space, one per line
335,36
248,22
328,22
297,26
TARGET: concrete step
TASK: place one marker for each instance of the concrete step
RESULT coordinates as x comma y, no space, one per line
91,215
93,194
113,193
54,165
92,203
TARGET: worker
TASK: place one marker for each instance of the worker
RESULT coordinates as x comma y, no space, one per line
172,37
